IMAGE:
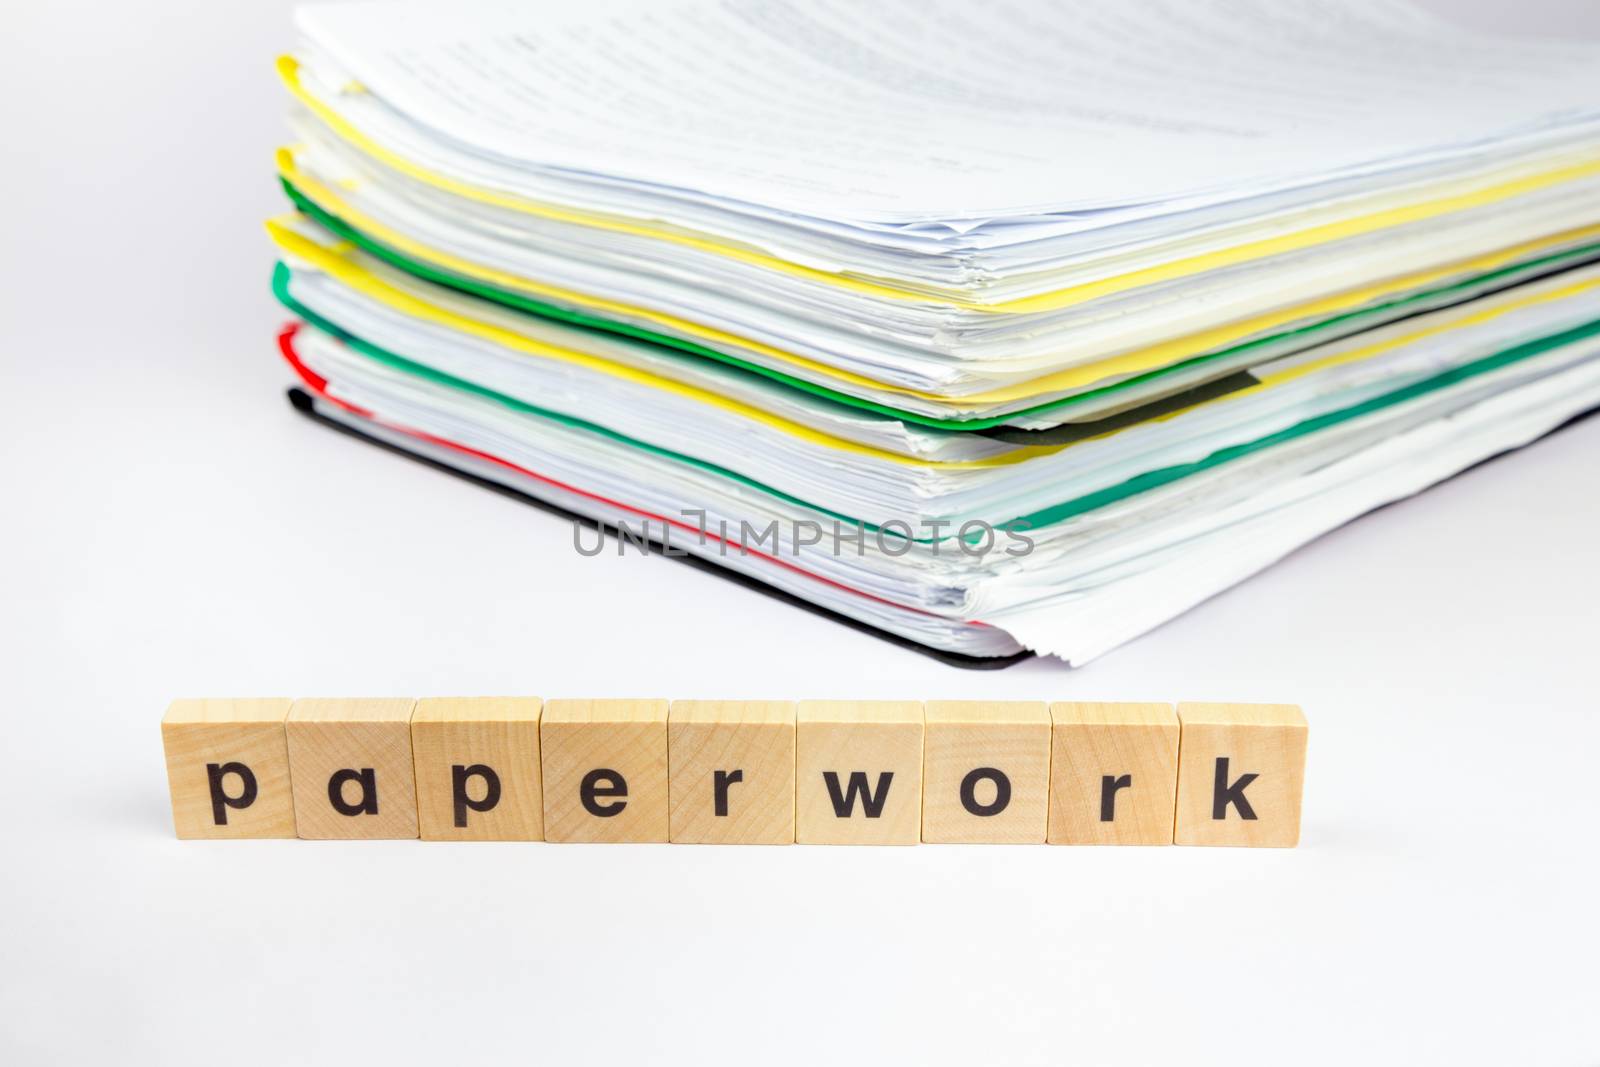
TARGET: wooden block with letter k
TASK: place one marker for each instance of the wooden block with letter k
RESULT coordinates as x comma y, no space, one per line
1241,769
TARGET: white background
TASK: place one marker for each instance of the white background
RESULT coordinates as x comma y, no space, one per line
170,528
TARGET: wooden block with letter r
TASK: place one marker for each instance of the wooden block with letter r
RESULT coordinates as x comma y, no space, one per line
228,768
1113,773
1241,769
477,768
732,771
858,772
986,772
605,770
350,762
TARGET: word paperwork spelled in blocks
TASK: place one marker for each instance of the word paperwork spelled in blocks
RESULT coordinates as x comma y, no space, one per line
737,772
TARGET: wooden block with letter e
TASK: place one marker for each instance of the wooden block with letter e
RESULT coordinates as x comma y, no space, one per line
605,770
1241,769
228,768
1113,773
732,771
477,768
350,762
986,772
858,772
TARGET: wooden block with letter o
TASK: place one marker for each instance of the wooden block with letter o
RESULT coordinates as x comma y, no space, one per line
1113,774
477,768
858,772
350,761
605,770
986,772
1241,769
228,768
732,771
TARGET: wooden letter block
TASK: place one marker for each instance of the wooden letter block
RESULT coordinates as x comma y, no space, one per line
605,770
228,768
732,772
858,772
1113,774
986,772
350,762
478,772
1241,768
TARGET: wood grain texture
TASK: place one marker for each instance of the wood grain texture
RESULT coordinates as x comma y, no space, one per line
873,751
993,755
352,738
450,737
202,738
1117,760
624,742
709,743
1264,740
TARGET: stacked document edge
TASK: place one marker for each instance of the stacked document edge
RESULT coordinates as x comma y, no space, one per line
1049,432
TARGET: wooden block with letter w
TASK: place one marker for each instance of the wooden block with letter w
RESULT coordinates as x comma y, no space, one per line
858,772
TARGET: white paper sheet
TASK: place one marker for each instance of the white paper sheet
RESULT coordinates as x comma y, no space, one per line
952,112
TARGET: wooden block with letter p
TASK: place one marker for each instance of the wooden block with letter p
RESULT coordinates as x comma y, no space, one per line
986,772
1241,769
228,768
477,768
350,761
605,770
1113,774
858,772
732,771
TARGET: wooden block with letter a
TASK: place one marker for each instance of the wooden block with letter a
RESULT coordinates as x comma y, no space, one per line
1241,769
350,762
477,768
605,770
732,771
986,772
858,772
1113,773
228,768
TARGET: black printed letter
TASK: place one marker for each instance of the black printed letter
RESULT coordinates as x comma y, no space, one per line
1108,795
367,778
871,804
1226,794
458,786
1002,791
720,781
221,801
591,787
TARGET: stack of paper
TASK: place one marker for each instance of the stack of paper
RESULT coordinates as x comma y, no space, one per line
999,328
